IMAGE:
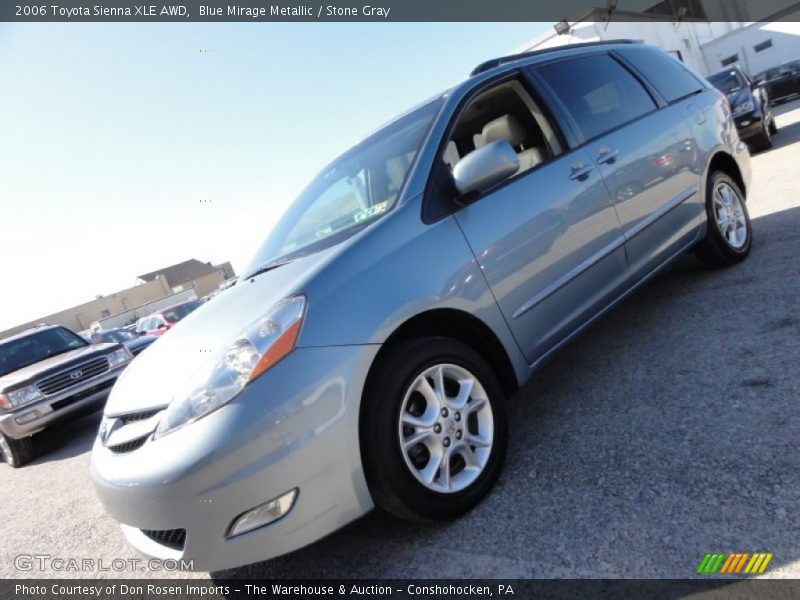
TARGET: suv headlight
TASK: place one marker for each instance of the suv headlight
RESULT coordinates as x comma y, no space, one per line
118,356
251,353
743,107
20,397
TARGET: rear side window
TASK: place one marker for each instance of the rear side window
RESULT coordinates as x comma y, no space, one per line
667,74
598,92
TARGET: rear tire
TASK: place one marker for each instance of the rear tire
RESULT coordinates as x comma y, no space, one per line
16,452
729,235
433,429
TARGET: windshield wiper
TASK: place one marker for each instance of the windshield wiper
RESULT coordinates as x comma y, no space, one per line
271,265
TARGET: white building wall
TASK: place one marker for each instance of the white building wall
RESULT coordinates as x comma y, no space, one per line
783,35
682,39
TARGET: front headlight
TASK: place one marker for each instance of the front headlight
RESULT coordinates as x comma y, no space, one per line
20,397
743,107
118,357
256,349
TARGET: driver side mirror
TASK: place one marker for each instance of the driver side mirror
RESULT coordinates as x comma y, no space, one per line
162,326
482,168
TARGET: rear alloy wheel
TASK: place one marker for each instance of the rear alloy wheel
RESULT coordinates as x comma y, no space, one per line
433,429
16,452
729,235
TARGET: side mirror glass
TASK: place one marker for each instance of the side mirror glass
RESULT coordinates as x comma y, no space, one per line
482,168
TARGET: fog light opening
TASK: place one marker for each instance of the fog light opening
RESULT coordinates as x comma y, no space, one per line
263,514
27,417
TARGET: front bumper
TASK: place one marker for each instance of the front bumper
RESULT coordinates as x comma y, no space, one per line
294,427
748,125
59,407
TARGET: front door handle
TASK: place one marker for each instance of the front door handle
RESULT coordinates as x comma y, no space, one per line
579,171
607,156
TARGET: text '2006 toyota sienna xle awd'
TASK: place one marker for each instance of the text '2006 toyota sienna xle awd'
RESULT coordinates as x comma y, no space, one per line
365,356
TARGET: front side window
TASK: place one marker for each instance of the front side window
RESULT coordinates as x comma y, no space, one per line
355,190
21,352
598,92
505,112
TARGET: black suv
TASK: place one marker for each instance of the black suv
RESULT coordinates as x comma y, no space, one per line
49,374
750,106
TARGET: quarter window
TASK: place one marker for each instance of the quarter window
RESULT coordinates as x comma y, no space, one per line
598,92
669,76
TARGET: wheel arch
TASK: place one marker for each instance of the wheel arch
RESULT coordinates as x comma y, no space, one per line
722,161
462,326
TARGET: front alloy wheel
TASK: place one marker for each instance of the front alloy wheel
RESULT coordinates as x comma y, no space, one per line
433,429
446,428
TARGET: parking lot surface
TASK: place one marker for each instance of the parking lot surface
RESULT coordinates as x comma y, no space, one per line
668,430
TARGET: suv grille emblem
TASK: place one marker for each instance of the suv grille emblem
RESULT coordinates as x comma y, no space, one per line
76,374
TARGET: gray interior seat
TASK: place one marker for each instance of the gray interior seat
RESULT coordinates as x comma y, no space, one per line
508,128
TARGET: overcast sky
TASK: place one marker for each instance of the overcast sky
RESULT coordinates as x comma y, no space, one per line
112,134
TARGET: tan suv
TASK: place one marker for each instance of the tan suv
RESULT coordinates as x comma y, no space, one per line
49,374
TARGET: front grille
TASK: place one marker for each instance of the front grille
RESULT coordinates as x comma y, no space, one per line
137,416
129,446
83,394
81,372
171,538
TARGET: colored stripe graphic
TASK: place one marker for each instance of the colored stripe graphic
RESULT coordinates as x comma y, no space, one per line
734,562
759,562
710,563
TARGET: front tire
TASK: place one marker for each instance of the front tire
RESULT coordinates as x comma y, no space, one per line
433,429
729,234
16,452
763,141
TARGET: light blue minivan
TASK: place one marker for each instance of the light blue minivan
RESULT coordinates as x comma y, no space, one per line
366,354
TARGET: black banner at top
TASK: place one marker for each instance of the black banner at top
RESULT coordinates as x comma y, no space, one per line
395,10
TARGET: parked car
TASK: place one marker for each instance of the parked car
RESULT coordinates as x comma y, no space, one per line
366,355
782,83
749,102
133,341
50,374
163,320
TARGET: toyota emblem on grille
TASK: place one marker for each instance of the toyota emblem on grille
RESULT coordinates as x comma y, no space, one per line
76,374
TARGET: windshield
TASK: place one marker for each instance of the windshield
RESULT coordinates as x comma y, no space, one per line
727,82
21,352
355,190
793,64
116,336
173,315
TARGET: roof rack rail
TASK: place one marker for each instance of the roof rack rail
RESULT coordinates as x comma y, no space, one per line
496,62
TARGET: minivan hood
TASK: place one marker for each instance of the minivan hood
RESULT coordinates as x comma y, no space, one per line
153,378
